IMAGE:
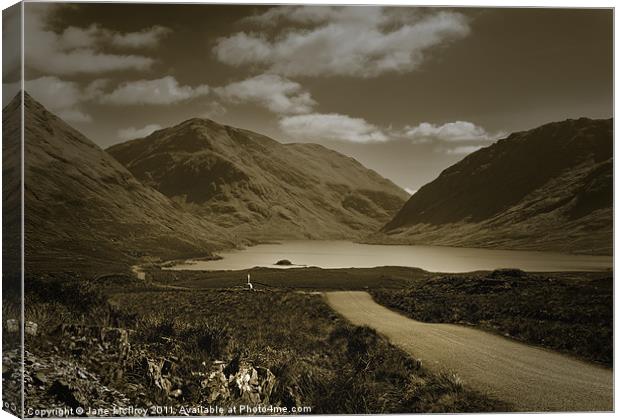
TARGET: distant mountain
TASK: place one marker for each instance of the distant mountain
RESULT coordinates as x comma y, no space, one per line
550,188
85,211
256,187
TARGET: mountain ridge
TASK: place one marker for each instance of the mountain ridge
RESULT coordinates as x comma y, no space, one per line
258,187
85,211
549,188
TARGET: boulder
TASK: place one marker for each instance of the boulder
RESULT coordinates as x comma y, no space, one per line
245,383
156,370
12,326
31,328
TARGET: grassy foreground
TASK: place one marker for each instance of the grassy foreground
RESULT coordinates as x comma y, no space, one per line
165,343
569,312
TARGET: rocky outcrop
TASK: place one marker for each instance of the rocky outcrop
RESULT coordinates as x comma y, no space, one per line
100,367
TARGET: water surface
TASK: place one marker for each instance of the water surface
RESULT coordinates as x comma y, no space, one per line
345,254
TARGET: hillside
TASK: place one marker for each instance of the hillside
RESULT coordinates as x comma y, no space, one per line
84,211
550,188
11,199
259,188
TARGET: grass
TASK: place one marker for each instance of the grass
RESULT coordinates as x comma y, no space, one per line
319,359
313,278
570,312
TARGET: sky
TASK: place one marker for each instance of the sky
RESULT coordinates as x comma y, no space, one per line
406,91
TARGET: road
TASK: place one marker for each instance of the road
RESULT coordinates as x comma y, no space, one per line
528,377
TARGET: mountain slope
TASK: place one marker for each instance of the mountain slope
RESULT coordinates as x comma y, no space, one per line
256,187
550,188
85,211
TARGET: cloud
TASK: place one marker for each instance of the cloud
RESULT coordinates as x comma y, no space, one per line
411,191
276,93
147,38
214,110
74,37
64,97
318,127
462,150
74,115
458,131
162,91
131,133
341,41
318,14
11,44
80,50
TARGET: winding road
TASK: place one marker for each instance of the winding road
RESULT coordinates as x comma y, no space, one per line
528,377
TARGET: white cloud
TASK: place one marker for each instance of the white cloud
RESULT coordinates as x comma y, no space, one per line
462,150
241,49
276,93
411,191
457,131
147,38
73,37
319,14
54,93
95,35
318,127
352,41
80,50
63,97
131,133
162,91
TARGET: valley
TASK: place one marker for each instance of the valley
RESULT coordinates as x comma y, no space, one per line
154,238
263,209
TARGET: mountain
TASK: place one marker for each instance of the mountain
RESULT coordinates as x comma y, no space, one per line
85,211
550,188
11,200
256,187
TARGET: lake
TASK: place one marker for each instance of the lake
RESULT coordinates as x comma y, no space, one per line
345,254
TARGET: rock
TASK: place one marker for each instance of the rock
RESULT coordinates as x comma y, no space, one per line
39,378
216,384
67,394
252,387
12,326
31,328
115,340
154,373
166,367
244,383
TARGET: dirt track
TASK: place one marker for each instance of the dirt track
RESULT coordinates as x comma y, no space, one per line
530,378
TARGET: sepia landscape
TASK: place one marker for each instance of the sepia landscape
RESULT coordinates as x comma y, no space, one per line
233,210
